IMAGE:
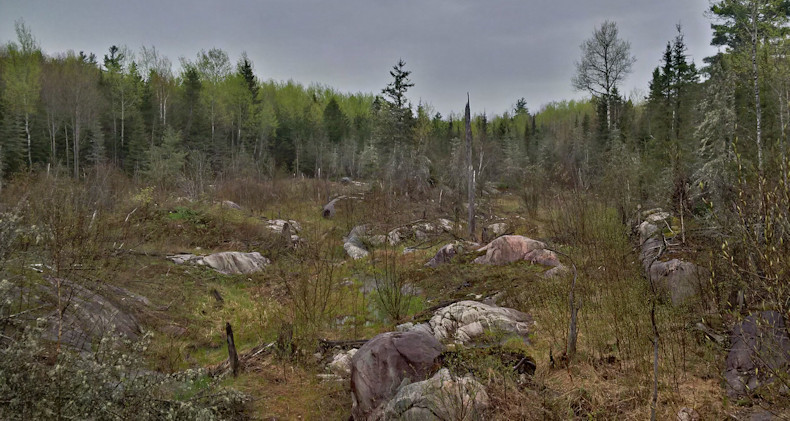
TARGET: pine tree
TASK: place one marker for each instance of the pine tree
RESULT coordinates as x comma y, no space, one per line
244,68
335,122
396,90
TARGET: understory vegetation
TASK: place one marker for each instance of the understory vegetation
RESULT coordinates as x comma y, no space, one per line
98,191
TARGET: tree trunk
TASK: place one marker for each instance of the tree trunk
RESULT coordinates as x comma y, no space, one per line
608,113
29,143
66,134
783,139
470,169
52,131
76,142
757,108
123,121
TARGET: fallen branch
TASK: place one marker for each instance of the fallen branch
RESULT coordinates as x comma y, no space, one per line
325,344
246,360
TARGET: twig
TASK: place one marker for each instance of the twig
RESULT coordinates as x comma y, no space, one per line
130,215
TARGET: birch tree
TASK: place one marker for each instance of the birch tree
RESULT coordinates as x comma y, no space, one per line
21,81
606,61
744,26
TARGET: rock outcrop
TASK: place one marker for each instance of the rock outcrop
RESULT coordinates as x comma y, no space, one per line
341,363
513,248
353,244
681,280
277,225
92,312
557,271
231,205
468,321
227,262
442,397
391,375
381,366
444,255
759,350
328,211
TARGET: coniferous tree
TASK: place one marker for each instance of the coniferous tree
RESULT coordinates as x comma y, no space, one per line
20,80
335,122
745,26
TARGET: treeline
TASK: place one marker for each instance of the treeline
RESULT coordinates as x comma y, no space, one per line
216,117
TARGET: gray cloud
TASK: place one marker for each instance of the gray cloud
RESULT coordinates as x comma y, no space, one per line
497,50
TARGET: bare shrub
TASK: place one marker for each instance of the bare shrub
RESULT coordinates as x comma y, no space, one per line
310,277
393,293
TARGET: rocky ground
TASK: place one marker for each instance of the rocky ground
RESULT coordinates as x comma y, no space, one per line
380,307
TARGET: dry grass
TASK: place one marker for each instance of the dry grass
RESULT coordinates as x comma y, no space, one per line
609,379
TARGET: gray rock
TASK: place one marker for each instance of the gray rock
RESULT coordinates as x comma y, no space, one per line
359,231
411,327
341,363
227,262
92,312
443,255
497,229
759,349
657,217
381,365
353,244
424,227
442,397
404,327
466,321
277,225
494,299
650,251
182,258
445,225
648,212
646,230
355,249
377,240
231,205
681,280
557,271
235,262
328,211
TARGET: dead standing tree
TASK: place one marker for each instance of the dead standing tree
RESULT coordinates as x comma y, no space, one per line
233,357
470,169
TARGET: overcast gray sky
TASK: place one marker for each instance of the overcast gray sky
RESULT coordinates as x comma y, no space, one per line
497,50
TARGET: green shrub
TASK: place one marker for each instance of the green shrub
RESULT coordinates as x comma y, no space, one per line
111,384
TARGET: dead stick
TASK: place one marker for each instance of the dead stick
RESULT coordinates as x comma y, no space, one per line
233,357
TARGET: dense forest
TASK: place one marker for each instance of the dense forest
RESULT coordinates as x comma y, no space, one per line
111,162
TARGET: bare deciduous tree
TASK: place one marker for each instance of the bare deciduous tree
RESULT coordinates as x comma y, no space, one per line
606,61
